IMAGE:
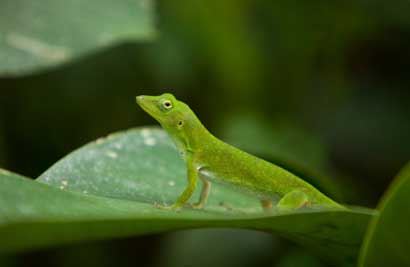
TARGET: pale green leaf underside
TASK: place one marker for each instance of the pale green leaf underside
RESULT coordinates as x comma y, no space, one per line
106,189
44,33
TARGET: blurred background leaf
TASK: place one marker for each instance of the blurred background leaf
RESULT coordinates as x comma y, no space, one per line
387,238
218,247
297,257
35,35
233,248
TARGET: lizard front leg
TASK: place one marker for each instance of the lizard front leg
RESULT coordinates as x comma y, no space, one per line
192,176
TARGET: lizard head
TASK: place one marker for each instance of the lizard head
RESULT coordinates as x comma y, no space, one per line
171,113
175,117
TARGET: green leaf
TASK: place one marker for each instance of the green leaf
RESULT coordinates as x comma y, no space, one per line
387,239
299,258
45,33
107,189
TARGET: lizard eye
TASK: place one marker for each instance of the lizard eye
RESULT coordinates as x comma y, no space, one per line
167,104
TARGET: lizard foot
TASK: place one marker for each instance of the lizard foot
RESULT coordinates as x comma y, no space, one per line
197,206
166,207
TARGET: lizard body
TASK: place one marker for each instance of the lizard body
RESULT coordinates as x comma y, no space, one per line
211,160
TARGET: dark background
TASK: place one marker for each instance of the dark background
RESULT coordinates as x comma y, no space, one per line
320,85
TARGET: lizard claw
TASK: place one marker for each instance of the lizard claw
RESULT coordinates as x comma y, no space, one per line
166,207
197,206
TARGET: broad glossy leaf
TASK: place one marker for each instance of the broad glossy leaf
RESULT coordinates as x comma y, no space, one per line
44,33
388,237
107,188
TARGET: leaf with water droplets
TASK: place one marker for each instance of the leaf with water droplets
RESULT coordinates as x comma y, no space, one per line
108,189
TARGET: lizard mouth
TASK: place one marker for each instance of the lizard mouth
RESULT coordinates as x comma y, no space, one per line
140,99
146,104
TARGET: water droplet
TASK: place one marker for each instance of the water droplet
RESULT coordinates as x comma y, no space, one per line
5,172
171,183
118,146
111,154
62,187
112,136
100,141
146,132
149,141
64,183
85,192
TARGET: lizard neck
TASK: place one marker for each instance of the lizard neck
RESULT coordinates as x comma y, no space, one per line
192,136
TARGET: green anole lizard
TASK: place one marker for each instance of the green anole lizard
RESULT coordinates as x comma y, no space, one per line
211,160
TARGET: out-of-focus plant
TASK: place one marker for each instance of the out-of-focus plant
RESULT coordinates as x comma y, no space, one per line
319,88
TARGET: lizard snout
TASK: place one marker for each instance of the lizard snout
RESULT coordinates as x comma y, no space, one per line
140,98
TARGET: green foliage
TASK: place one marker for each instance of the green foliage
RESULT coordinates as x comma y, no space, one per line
387,239
234,248
39,34
327,80
299,258
107,189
